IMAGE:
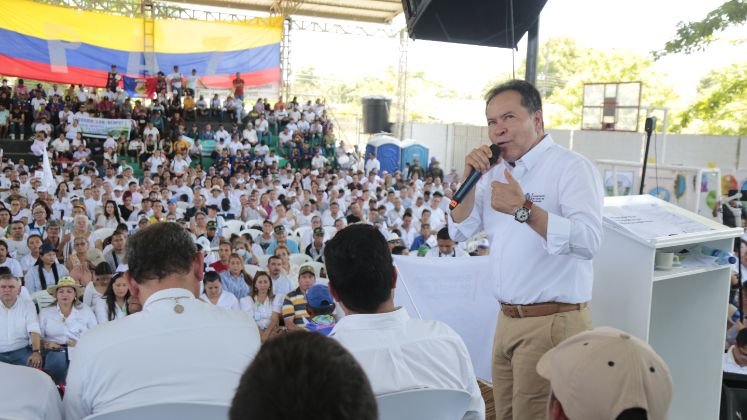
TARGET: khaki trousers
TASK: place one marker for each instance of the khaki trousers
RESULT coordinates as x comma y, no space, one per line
519,392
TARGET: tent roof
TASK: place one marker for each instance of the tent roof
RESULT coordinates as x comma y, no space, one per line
373,11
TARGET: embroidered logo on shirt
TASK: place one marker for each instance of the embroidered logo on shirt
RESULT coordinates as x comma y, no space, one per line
535,198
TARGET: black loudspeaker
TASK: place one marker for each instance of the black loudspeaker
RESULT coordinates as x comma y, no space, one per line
733,397
376,114
474,22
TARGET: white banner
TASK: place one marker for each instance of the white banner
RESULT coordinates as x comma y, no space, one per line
103,127
456,291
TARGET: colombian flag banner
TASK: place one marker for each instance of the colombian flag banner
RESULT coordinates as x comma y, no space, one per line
65,45
139,87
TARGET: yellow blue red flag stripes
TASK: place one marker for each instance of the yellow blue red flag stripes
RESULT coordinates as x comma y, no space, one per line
65,45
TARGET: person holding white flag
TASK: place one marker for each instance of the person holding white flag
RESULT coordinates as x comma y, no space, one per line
48,179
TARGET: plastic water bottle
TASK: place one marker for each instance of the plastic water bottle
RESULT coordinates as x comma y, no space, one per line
722,257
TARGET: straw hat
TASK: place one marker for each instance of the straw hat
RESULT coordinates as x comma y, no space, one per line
66,281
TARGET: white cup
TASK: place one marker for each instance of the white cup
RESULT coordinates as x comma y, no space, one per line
666,260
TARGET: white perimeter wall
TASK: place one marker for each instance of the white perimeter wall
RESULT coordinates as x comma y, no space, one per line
450,143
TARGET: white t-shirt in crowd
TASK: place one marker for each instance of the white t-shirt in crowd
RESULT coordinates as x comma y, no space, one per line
225,300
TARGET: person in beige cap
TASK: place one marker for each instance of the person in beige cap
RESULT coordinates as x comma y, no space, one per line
606,374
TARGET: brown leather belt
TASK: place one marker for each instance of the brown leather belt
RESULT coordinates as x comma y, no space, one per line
540,309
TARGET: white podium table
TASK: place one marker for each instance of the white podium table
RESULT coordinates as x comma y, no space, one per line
680,312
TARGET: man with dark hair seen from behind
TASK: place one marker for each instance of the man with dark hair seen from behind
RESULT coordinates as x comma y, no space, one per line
396,352
176,350
606,374
324,379
541,207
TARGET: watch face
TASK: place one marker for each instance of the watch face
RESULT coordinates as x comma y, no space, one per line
522,214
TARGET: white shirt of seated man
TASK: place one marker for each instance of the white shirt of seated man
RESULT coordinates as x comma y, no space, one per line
397,352
34,395
163,353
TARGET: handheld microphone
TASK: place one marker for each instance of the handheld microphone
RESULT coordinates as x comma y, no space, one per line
472,178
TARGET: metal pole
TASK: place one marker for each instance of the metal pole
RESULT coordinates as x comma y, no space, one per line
402,84
532,50
285,67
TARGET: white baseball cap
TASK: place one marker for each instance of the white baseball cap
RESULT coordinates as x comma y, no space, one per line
598,374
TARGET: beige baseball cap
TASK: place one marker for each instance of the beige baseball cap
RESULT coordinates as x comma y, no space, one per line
598,374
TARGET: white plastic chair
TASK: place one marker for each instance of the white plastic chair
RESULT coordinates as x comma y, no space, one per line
181,411
103,233
251,269
302,231
263,259
423,404
317,270
299,259
329,232
234,226
43,298
253,223
254,233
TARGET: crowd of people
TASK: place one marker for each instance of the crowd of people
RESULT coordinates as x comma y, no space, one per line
188,260
66,245
237,133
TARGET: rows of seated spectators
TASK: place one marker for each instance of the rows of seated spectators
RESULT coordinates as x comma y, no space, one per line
50,118
276,221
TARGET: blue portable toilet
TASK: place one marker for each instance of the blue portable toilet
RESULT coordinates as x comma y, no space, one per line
388,151
412,150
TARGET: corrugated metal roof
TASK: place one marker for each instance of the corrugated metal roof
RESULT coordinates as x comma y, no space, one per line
374,11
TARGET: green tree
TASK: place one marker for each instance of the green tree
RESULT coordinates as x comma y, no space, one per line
345,97
594,66
564,67
721,106
696,36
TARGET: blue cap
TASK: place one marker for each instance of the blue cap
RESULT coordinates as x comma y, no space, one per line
318,297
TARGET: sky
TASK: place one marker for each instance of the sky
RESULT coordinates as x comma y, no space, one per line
639,26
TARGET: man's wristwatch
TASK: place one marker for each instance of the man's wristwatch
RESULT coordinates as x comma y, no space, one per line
36,351
522,214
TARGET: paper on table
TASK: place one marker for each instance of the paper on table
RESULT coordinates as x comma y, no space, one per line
650,221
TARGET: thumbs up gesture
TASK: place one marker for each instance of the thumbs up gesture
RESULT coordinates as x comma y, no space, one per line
507,197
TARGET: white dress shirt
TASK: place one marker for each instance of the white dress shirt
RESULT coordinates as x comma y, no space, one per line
27,261
730,365
91,295
436,253
282,285
225,300
530,269
262,312
14,266
161,356
400,353
16,323
101,310
56,329
372,164
28,394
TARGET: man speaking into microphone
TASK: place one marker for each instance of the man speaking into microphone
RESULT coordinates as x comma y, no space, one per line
541,207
